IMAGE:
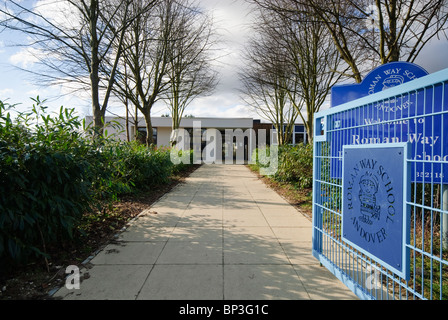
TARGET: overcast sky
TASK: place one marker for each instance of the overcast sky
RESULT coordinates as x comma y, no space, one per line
232,19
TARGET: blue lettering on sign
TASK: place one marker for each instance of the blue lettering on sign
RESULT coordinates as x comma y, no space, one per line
373,204
402,118
384,77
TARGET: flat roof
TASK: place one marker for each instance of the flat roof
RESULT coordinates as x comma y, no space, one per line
205,122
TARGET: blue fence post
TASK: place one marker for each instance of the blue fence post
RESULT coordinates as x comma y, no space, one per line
444,221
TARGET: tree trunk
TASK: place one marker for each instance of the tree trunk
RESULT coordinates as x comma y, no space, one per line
136,124
310,129
98,114
98,120
128,138
149,137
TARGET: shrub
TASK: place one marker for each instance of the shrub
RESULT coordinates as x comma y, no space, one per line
44,181
296,165
138,166
261,158
52,173
181,166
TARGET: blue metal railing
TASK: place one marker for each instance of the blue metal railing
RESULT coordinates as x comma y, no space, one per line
417,113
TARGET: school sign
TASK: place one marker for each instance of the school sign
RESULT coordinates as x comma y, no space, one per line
381,146
373,219
400,119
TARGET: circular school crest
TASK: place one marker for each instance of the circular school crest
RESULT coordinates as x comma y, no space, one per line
391,75
384,77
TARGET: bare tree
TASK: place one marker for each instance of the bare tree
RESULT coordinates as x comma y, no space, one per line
405,27
378,31
267,81
300,44
74,39
313,59
148,43
190,73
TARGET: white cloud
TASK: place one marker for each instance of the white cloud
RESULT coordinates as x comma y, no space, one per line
25,58
34,92
231,20
60,13
5,93
432,57
220,105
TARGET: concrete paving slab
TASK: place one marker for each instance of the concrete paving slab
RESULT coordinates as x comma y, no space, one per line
184,189
264,195
200,222
254,252
273,208
203,205
108,282
286,220
126,252
299,252
184,282
175,201
145,232
158,219
208,199
248,233
213,212
293,233
262,282
240,206
211,218
159,208
250,218
321,284
187,252
193,233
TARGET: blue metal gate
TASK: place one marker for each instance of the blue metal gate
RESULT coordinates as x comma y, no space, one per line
414,115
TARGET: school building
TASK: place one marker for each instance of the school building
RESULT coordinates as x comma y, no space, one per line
238,135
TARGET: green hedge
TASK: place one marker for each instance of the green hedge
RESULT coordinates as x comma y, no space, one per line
52,172
295,164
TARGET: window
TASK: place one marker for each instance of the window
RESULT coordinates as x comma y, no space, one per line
299,134
299,138
142,134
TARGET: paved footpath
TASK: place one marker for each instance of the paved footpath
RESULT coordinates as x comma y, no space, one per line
221,235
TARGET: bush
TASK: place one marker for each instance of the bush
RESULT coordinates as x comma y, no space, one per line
137,166
295,164
44,181
52,173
